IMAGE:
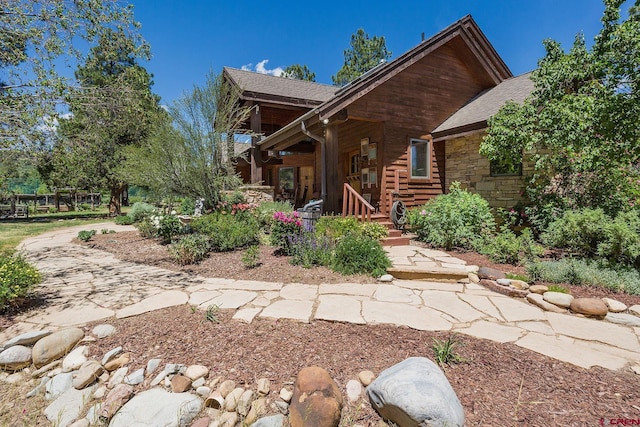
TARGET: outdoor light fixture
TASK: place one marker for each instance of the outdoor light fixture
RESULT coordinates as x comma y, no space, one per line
325,122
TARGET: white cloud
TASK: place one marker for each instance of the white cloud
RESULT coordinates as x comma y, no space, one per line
261,68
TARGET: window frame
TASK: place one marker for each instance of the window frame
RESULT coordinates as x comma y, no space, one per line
415,142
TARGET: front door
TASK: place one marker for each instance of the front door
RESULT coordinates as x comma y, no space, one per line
306,178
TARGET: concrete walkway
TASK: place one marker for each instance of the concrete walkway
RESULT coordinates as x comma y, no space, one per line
84,285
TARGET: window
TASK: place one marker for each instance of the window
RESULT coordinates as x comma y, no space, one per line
505,168
420,158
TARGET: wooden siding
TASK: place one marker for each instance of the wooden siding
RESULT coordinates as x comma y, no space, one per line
411,104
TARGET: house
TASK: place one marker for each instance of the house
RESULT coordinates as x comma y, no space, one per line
406,129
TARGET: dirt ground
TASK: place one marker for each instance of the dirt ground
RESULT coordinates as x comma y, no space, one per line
498,384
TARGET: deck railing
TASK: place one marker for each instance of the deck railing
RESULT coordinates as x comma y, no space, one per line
353,204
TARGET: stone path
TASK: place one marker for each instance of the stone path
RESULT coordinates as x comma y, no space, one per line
85,285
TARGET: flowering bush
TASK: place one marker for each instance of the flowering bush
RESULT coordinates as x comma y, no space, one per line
166,227
283,226
307,249
228,208
17,277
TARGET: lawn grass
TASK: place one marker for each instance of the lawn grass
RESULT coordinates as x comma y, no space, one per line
12,232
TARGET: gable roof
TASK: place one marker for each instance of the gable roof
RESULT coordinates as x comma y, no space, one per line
474,41
282,90
474,114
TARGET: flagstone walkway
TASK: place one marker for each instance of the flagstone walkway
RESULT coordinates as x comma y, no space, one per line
84,285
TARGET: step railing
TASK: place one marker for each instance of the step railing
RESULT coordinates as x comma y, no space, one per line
353,204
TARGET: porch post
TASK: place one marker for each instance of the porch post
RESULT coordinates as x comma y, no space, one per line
334,187
255,155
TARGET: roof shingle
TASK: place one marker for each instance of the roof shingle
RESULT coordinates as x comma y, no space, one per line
487,104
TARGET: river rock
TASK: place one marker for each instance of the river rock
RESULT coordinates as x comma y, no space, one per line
503,282
537,299
257,410
134,378
473,277
117,377
226,387
504,290
366,377
103,331
147,407
55,346
614,305
232,399
264,386
354,390
152,365
68,406
194,372
15,357
519,284
385,278
623,319
88,373
118,362
593,307
538,289
201,422
110,355
75,359
228,419
286,394
26,339
490,273
316,400
558,298
180,384
244,403
58,385
270,421
415,392
635,309
115,399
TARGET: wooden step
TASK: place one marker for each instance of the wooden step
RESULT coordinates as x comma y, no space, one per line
396,241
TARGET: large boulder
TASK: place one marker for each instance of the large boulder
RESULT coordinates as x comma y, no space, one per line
15,357
592,307
54,346
148,407
316,401
415,392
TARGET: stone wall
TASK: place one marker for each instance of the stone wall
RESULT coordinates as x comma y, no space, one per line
463,163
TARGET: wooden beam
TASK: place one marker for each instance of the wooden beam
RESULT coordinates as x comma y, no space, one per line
255,157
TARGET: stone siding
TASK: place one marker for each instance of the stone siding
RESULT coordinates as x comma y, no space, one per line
463,163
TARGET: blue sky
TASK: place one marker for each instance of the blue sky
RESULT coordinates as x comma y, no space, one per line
189,38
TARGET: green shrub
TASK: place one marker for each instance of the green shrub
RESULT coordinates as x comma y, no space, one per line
374,230
587,273
86,235
141,210
578,231
187,206
123,220
507,248
335,227
251,257
308,249
167,227
284,226
227,232
445,351
558,288
146,229
458,219
621,242
355,254
265,210
84,207
190,249
17,277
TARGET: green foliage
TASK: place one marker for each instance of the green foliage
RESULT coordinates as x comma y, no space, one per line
299,72
141,210
364,54
445,351
191,151
621,242
336,227
187,206
374,230
308,249
167,227
251,256
265,210
284,226
86,235
458,219
515,276
507,248
190,249
107,231
579,127
578,231
227,232
558,288
587,273
17,277
356,254
123,220
211,314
